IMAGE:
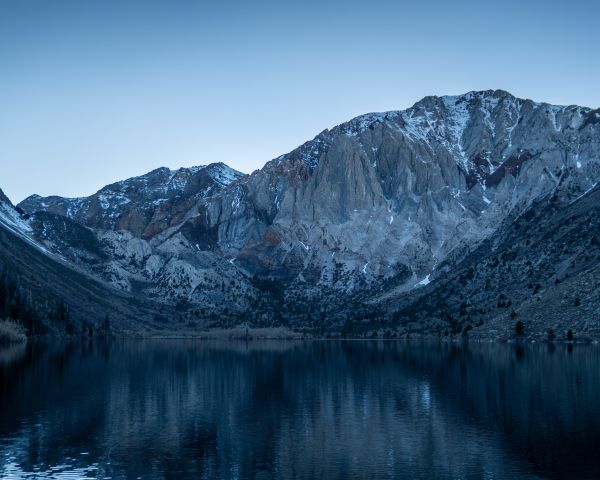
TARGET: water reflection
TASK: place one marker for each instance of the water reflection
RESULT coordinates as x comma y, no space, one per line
299,410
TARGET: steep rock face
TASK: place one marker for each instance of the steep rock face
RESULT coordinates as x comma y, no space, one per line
383,199
402,189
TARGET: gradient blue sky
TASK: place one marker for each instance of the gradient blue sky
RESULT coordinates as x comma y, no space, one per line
95,91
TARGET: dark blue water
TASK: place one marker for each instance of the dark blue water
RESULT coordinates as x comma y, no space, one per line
171,409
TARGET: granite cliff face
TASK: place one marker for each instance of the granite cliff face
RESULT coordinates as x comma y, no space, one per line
381,201
409,187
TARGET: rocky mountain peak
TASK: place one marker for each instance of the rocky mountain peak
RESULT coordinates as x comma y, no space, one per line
144,205
4,199
442,121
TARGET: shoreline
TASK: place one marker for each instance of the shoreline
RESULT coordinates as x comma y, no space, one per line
290,335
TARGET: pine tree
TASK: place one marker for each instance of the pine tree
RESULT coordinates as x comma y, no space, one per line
519,328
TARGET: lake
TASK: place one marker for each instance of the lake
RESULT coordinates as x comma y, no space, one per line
305,409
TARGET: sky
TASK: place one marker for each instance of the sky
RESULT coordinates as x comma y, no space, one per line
97,91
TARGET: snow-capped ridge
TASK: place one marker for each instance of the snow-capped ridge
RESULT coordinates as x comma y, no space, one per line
135,202
443,120
10,217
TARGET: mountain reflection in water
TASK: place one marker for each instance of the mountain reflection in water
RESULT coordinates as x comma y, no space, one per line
183,409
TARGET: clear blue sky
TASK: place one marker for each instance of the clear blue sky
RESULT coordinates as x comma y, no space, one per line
95,91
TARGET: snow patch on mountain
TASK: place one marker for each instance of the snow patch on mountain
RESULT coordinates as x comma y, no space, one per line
456,125
224,174
10,218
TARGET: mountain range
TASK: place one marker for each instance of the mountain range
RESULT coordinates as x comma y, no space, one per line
462,215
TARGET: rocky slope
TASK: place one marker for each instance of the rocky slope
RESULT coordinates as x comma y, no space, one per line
379,203
541,269
47,294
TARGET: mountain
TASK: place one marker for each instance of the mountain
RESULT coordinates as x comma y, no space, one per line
540,268
49,295
144,205
10,218
381,207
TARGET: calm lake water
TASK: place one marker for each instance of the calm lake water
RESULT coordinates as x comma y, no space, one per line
175,409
